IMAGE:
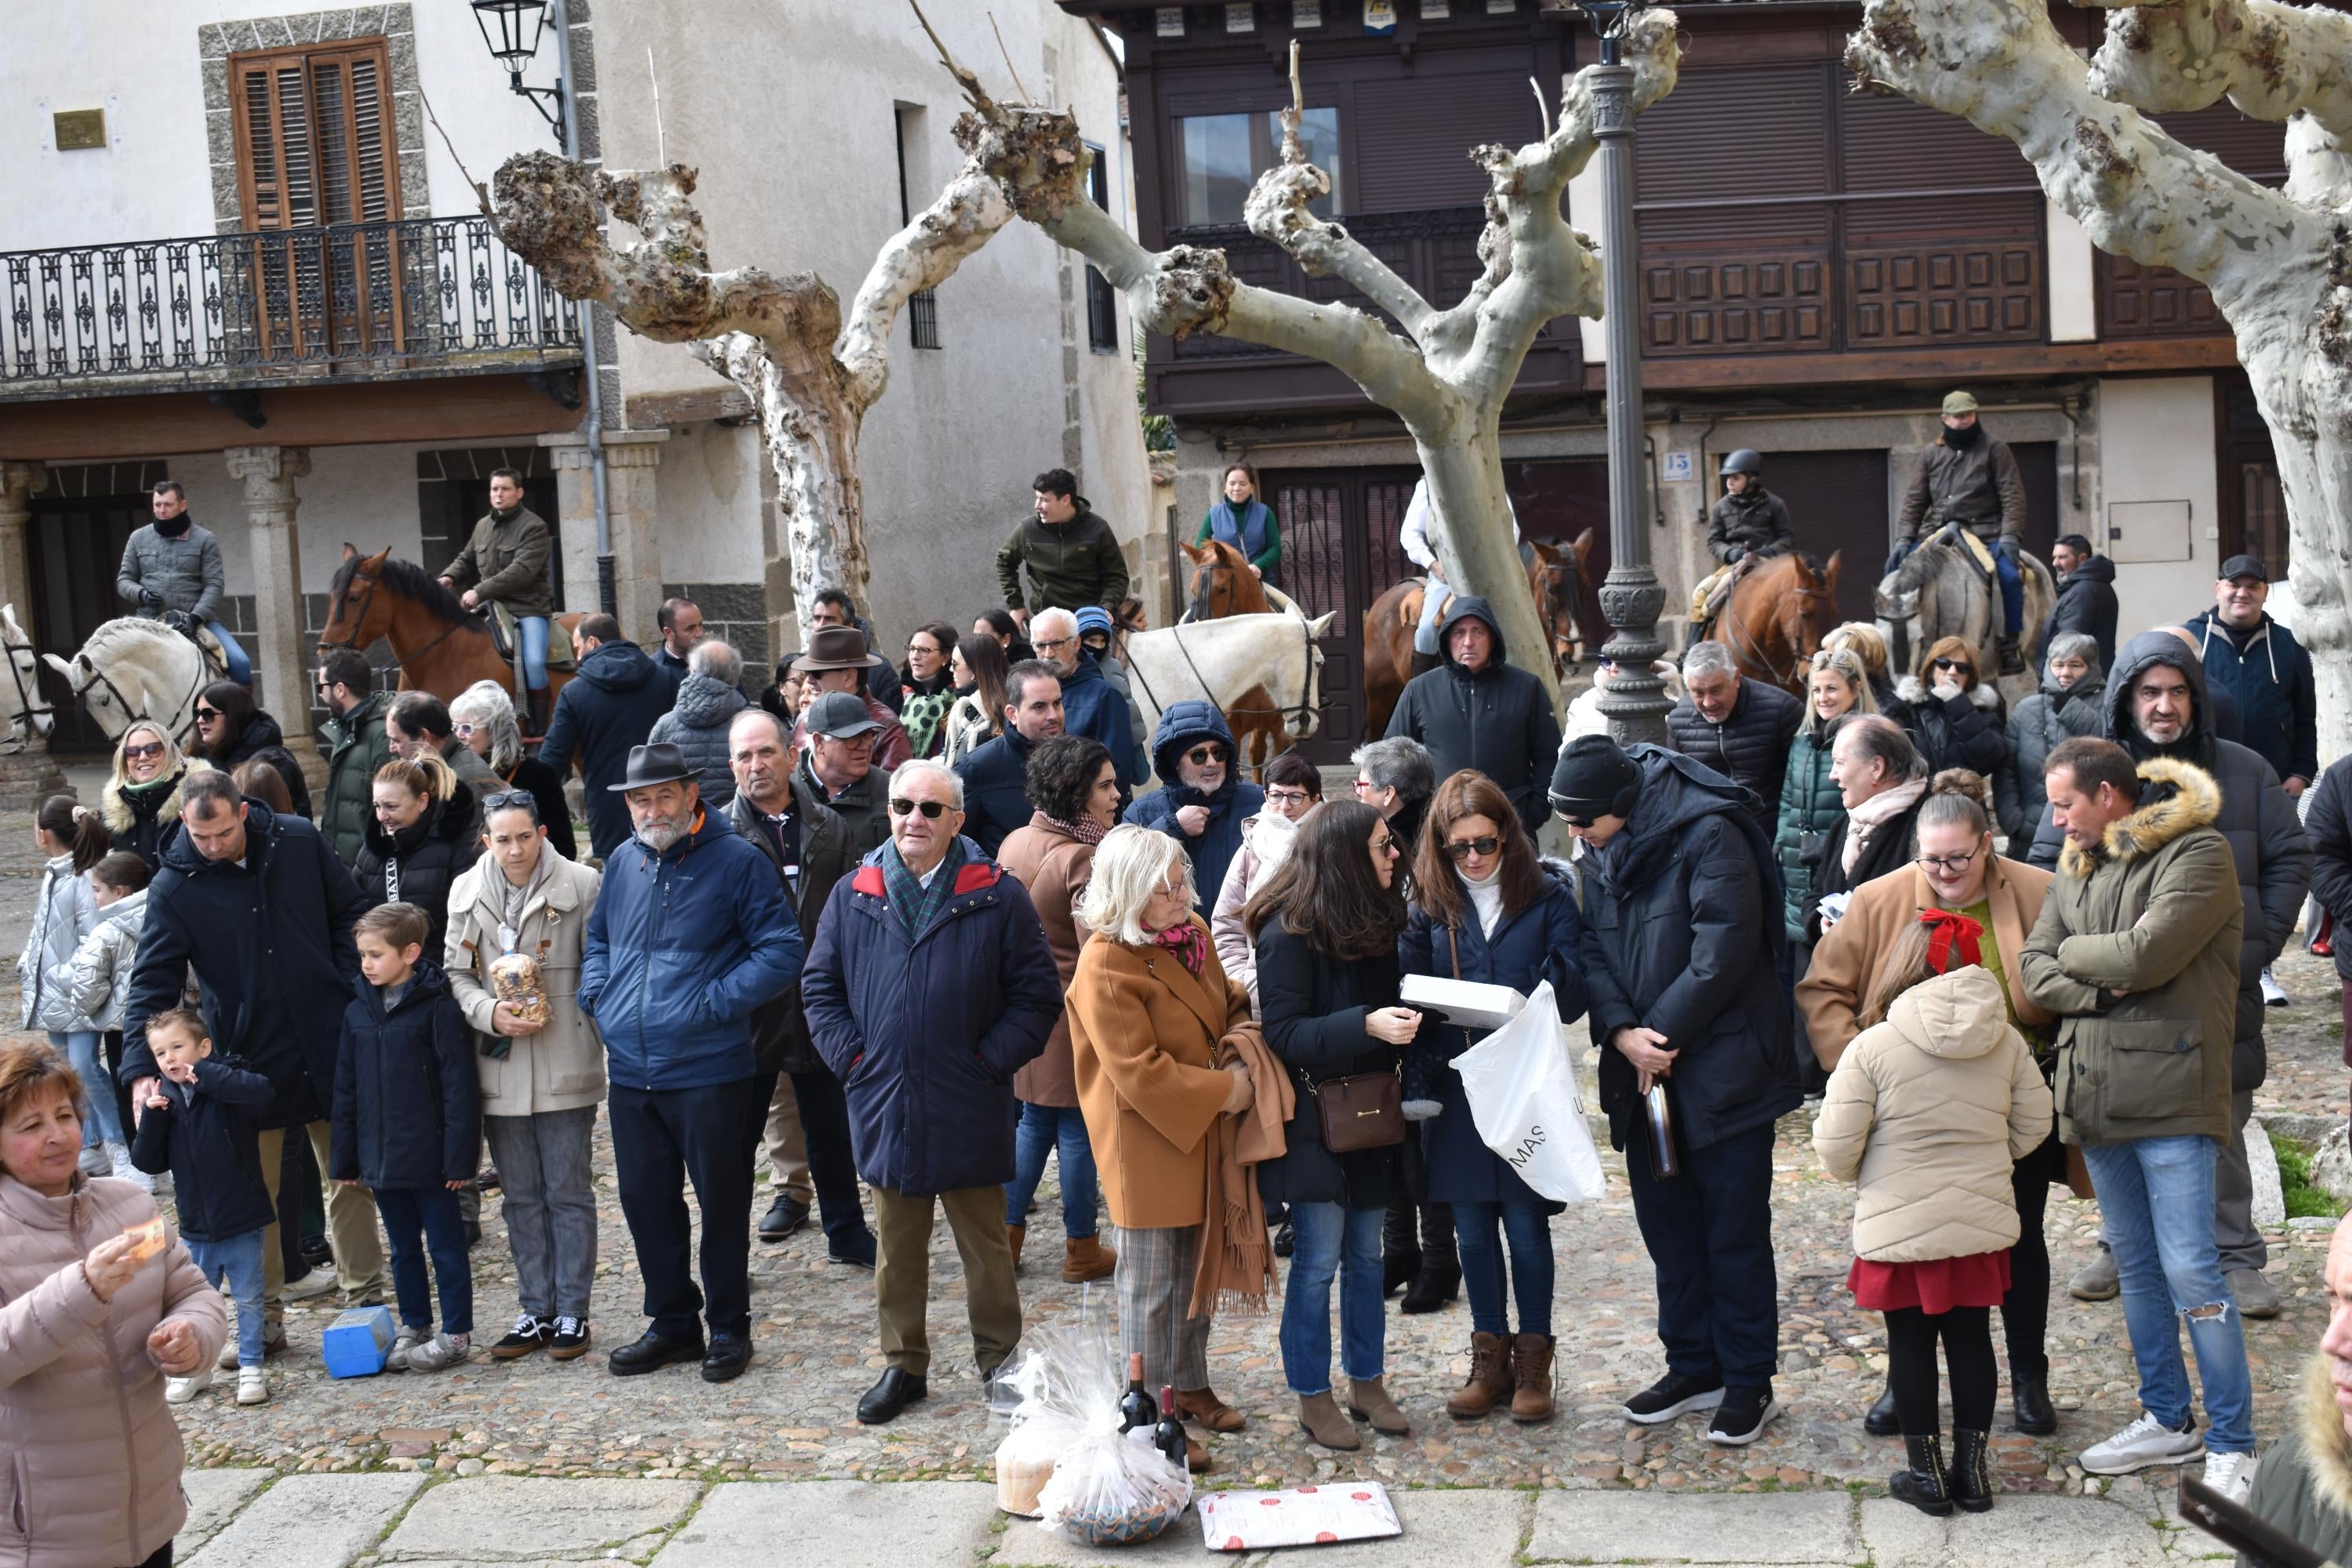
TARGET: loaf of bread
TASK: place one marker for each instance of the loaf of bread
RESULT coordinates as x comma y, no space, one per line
516,981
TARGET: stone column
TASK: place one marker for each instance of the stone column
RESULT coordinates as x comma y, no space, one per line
281,684
18,482
632,499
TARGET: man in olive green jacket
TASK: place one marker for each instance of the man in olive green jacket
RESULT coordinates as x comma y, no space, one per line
356,745
1072,556
2137,952
505,562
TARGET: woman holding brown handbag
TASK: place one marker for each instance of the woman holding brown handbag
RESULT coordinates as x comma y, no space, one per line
1326,928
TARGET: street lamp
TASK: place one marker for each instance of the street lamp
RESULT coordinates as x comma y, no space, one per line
512,28
1635,703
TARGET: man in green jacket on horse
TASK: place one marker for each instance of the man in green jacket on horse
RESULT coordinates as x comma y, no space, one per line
505,564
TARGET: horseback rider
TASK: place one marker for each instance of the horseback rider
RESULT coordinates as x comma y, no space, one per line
1748,524
172,573
1422,552
1970,478
505,564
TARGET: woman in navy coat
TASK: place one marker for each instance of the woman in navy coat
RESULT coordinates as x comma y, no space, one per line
1486,910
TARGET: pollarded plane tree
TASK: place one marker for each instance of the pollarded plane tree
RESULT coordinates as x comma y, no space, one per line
811,370
2277,262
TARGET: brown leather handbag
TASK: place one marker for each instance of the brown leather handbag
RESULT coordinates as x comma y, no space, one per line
1362,1110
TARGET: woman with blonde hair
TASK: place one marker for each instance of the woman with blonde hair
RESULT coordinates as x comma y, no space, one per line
1162,1048
140,802
1811,805
421,838
1864,641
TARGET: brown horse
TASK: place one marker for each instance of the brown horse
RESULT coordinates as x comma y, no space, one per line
1224,585
443,648
1775,617
1556,578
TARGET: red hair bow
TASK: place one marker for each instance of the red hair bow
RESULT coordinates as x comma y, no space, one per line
1949,930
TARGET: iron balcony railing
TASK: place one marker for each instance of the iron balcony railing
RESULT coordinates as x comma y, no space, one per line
418,297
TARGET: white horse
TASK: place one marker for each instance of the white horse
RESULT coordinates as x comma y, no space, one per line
30,717
132,668
1216,661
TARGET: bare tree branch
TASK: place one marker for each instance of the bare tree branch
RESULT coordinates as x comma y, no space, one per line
2270,61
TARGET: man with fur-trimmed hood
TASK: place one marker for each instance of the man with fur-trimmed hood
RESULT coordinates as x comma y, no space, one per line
2139,962
2304,1487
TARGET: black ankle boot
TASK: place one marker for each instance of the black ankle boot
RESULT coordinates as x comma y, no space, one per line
1970,1480
2029,1399
1400,1248
1440,1278
1882,1421
1923,1485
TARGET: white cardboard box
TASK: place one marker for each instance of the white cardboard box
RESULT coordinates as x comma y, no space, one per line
1465,1002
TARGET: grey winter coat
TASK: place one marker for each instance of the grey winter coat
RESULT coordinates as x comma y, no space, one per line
2257,817
63,913
698,727
99,975
183,573
2041,721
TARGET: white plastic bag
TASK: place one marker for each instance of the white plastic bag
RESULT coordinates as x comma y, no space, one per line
1523,1096
1065,1370
1113,1487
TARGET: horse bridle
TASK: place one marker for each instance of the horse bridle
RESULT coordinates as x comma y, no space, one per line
1559,577
367,603
132,716
28,701
1297,717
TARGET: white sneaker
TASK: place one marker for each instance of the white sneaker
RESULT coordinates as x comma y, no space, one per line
252,1385
180,1390
403,1341
2274,994
317,1282
118,1155
2231,1475
94,1163
2146,1442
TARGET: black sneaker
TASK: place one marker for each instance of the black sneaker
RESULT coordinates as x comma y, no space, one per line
568,1338
527,1335
1741,1417
1672,1396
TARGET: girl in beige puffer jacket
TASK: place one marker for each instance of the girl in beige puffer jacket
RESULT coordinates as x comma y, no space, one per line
1927,1111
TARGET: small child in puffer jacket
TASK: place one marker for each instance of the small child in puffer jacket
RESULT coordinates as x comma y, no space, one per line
100,977
73,838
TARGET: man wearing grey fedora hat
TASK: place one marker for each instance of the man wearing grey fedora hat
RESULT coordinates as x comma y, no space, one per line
837,660
691,932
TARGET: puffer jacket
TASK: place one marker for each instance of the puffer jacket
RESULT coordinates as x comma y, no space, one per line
138,819
1497,720
561,1068
1053,865
2257,818
420,863
1071,565
2305,1485
408,1108
1753,521
262,741
208,1136
996,775
1183,727
682,946
1979,486
2086,604
2044,721
1093,707
93,1476
1679,925
2138,916
698,726
1963,731
2328,822
618,696
63,913
1811,810
1265,840
1928,1112
356,746
182,574
99,975
1750,747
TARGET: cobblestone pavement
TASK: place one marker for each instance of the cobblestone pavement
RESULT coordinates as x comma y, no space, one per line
816,1350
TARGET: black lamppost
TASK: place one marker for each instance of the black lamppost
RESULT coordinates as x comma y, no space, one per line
1631,597
512,29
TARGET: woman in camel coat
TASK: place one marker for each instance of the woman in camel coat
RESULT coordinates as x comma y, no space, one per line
1146,1008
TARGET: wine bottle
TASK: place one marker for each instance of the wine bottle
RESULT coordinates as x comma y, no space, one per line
1136,1407
1168,1436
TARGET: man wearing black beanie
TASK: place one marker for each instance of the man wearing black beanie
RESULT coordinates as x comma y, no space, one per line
1681,901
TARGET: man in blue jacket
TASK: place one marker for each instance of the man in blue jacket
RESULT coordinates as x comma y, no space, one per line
996,775
1202,802
2259,664
1091,705
610,704
691,932
929,985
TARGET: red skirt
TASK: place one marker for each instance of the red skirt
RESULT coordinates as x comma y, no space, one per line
1936,1286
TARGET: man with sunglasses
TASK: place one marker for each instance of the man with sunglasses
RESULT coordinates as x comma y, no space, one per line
1202,802
929,985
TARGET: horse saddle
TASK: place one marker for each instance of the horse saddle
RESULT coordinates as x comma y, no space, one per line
198,633
507,638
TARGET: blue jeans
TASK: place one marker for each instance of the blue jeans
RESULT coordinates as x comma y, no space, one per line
417,1221
1332,1242
2156,1195
1043,1127
105,1123
1528,1228
2013,589
534,632
238,1259
240,668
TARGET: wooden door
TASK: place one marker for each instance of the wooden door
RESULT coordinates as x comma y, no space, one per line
1339,551
76,545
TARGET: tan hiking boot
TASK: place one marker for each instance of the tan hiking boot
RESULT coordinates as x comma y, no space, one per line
1490,1378
1531,1357
1319,1418
1086,1260
1368,1401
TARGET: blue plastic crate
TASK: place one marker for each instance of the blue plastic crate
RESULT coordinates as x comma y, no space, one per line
356,1344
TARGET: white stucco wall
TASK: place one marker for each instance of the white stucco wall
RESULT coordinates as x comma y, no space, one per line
2156,446
365,495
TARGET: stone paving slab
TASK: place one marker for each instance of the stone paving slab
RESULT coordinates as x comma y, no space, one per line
506,1518
213,1498
311,1521
1467,1529
2081,1533
1712,1528
842,1524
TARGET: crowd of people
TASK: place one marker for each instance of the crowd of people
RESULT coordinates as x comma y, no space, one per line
905,934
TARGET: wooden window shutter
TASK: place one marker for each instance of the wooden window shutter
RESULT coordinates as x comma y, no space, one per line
312,136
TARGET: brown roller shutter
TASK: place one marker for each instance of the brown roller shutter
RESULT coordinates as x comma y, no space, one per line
1891,144
1737,132
1411,137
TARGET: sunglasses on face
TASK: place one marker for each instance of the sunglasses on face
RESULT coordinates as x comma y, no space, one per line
463,731
141,754
1576,821
207,715
932,810
1385,844
1963,665
1200,756
1463,848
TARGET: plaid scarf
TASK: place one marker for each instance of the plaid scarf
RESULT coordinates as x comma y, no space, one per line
918,906
1187,943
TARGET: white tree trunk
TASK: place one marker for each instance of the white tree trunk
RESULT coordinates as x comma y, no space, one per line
2276,262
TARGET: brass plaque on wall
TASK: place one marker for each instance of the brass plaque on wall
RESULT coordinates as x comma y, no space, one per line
81,128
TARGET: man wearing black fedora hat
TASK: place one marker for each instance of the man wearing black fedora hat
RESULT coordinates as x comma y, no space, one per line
837,660
1680,890
690,935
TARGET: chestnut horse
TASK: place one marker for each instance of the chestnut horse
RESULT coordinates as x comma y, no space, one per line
1224,585
443,648
1775,617
1556,578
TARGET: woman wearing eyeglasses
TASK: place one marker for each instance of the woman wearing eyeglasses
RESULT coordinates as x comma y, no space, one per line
1325,926
1486,909
231,729
1293,787
1962,722
927,688
140,803
1956,870
483,719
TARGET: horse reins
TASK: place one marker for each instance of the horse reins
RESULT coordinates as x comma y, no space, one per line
28,701
1296,715
368,601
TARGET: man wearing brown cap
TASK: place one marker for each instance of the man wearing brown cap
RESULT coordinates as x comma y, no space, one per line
837,660
1970,478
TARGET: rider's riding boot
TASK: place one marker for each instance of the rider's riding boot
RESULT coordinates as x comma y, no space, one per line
2012,662
539,705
